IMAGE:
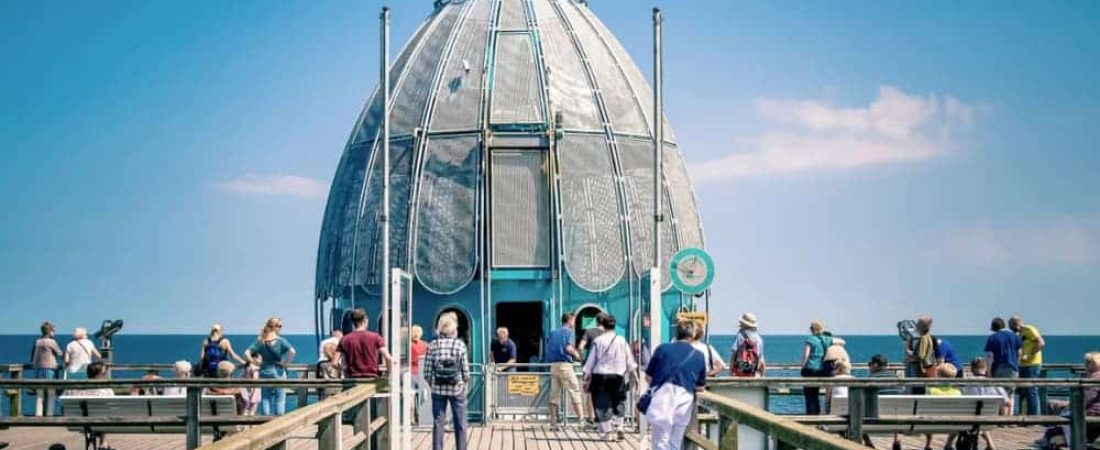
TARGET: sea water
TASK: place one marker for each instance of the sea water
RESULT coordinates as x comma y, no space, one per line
779,349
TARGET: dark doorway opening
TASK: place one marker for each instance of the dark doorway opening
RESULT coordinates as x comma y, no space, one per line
524,321
463,324
586,318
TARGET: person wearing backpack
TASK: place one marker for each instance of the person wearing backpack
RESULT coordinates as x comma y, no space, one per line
215,349
448,373
747,359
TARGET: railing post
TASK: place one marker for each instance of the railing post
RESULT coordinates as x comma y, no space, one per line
194,430
1077,440
727,438
329,433
1043,400
856,411
362,425
303,392
15,396
870,402
386,434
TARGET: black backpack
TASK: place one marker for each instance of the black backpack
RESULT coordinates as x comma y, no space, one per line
968,440
445,372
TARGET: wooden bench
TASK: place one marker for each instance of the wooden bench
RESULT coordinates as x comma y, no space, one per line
136,407
926,406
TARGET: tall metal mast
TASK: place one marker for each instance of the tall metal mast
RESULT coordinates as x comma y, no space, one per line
658,138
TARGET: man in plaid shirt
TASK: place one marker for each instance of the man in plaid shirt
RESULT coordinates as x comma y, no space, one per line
448,372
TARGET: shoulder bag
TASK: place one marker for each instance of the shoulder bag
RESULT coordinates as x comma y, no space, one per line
647,398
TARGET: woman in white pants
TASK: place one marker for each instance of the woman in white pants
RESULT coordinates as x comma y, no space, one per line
675,372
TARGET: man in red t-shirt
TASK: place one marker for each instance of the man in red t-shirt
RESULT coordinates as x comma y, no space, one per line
361,349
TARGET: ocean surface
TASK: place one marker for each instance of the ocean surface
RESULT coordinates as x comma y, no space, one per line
165,349
133,348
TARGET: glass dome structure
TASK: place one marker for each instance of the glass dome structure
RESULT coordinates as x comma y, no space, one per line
521,176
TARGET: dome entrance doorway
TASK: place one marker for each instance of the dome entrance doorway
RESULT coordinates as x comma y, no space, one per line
525,322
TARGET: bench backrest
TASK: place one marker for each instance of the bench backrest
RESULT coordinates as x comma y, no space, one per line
138,406
925,405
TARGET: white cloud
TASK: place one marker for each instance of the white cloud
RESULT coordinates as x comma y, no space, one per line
814,135
276,185
1065,241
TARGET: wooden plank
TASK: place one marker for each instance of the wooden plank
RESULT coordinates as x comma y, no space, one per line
506,441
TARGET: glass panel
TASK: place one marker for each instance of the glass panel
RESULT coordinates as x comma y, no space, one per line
521,209
516,88
591,217
447,208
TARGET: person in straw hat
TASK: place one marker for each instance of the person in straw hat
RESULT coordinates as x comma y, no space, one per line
747,359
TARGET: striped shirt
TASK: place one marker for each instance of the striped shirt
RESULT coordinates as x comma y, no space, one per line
442,349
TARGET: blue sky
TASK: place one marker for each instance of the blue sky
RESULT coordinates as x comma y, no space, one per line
857,162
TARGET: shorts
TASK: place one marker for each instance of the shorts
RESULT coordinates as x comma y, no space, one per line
1006,372
562,378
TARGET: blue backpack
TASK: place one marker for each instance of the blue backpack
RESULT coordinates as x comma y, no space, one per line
212,355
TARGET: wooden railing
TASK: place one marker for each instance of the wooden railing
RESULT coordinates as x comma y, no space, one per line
863,408
358,395
326,416
19,371
787,432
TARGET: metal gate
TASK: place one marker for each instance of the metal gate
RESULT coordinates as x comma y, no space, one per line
524,394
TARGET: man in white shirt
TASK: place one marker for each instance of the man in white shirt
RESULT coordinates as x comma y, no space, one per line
333,339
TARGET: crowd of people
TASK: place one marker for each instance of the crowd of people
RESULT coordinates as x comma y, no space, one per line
611,367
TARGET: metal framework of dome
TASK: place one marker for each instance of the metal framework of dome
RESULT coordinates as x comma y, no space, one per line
521,170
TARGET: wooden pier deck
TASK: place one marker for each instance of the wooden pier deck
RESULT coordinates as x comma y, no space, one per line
498,436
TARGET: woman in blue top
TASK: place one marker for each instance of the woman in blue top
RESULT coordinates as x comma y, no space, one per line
814,365
675,372
276,354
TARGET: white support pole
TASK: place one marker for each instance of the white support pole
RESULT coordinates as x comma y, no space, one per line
393,304
658,217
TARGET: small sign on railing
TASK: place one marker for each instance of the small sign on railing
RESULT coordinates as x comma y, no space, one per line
527,385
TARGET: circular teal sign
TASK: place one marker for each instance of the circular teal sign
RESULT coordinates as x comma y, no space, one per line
692,270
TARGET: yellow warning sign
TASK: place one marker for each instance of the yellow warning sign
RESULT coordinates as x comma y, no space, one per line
697,316
527,385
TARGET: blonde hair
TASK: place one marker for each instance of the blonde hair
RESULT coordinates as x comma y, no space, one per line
80,333
947,371
417,333
1092,361
271,329
447,324
843,367
182,369
816,327
216,330
225,369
